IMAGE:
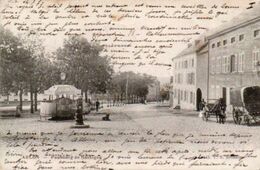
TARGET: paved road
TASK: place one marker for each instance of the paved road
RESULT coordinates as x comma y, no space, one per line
150,116
133,122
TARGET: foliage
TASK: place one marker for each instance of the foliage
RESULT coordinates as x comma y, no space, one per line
135,85
165,92
15,63
83,65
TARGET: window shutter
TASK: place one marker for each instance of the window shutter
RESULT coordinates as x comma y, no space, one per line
228,64
236,62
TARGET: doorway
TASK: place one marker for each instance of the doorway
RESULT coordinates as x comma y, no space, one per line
224,94
199,98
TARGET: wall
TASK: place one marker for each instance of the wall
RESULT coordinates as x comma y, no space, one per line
202,72
246,77
182,90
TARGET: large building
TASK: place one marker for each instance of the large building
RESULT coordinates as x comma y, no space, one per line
153,92
189,76
227,58
234,55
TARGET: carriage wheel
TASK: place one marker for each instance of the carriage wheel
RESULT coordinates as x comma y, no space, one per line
236,117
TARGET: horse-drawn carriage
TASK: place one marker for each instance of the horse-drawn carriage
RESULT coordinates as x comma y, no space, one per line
246,104
217,109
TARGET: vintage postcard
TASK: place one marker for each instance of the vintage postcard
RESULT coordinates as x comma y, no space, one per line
129,84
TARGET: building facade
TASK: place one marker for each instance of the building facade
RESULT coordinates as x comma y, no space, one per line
184,81
228,57
189,85
234,55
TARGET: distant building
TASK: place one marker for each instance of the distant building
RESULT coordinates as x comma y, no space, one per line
26,97
189,83
234,54
153,92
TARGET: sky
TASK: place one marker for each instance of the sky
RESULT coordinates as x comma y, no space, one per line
52,43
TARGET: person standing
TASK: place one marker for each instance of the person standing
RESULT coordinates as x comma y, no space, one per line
202,105
97,105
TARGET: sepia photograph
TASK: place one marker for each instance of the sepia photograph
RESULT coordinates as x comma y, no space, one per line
129,85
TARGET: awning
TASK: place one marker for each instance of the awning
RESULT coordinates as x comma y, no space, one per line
62,89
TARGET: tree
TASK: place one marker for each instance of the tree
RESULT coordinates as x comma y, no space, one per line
83,65
43,72
15,64
137,86
165,92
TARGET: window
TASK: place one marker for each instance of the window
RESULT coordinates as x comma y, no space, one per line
213,46
228,66
256,33
190,78
185,95
185,64
241,37
256,59
192,62
225,42
179,79
233,39
233,63
226,63
241,60
191,97
218,44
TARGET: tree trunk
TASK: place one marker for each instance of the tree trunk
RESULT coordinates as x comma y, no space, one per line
121,98
31,99
35,101
7,98
21,99
118,99
86,96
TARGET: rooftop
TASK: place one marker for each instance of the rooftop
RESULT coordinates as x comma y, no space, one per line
248,16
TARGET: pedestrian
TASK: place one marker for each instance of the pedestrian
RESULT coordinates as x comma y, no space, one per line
222,110
202,104
97,105
18,111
